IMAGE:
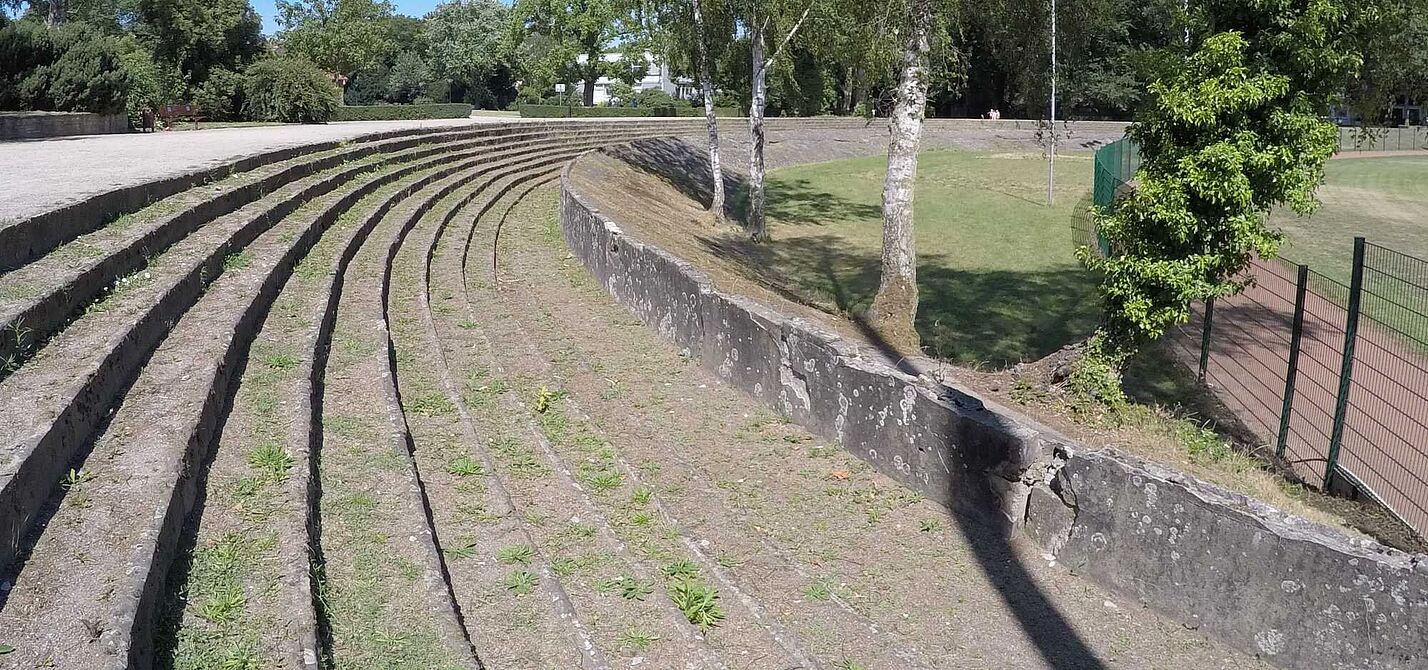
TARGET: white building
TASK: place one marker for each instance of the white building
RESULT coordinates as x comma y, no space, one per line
657,76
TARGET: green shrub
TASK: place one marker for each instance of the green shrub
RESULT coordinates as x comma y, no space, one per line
71,68
221,97
288,89
562,111
698,111
450,110
656,99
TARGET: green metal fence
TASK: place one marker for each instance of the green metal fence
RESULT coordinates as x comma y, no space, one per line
1115,167
1332,377
1116,164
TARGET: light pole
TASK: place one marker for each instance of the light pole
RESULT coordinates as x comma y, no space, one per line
1051,155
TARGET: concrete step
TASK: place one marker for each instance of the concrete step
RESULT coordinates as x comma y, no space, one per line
376,465
53,404
37,300
32,237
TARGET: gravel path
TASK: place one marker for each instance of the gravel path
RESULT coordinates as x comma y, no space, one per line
41,175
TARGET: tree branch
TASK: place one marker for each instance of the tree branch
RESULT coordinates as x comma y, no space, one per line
789,36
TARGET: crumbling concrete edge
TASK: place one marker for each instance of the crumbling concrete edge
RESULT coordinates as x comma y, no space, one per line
1294,592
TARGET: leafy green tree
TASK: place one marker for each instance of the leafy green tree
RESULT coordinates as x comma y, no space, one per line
564,41
199,35
468,43
151,82
1395,68
1236,131
407,79
339,36
69,68
221,95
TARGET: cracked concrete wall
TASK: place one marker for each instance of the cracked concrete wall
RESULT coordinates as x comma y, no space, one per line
1296,593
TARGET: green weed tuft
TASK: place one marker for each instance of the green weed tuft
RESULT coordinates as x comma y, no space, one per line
681,569
698,601
521,582
464,466
516,553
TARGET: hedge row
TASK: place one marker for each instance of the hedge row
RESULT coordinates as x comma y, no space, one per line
450,110
562,111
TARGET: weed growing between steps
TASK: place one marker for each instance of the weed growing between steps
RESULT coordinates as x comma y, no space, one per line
246,495
372,588
796,520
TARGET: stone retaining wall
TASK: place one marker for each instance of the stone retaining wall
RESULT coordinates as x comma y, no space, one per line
35,125
1296,593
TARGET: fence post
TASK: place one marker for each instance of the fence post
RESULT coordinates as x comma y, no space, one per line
1296,335
1346,370
1205,337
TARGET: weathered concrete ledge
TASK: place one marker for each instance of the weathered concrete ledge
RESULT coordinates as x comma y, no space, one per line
1298,594
36,125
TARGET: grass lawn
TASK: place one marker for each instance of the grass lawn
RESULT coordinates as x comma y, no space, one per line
1384,199
998,279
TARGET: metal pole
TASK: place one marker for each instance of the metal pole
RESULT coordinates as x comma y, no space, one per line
1051,164
1296,335
1205,337
1346,370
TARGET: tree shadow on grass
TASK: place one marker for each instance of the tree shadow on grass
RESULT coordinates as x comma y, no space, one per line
997,316
991,318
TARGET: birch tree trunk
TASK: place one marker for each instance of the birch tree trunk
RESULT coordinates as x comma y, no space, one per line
716,205
894,310
756,131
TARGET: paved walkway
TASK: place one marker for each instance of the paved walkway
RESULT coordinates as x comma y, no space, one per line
39,175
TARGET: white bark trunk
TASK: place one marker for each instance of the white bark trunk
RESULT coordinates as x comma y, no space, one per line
716,204
756,130
894,309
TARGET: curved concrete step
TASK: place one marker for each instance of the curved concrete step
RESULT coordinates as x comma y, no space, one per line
509,628
289,560
145,465
546,482
30,238
38,299
399,504
52,405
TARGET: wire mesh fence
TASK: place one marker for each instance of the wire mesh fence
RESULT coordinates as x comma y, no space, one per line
1402,138
1331,377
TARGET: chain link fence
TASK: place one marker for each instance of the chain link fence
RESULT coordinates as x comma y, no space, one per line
1331,377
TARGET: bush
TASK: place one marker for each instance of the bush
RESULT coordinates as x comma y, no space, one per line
562,111
727,99
221,97
722,112
366,87
449,110
656,99
72,68
288,89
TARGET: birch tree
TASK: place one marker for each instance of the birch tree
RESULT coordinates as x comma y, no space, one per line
706,83
894,310
759,22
